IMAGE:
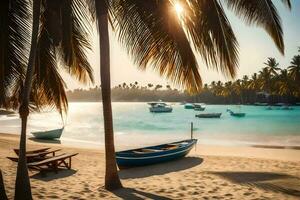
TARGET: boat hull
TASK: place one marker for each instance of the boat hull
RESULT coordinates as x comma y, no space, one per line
238,114
160,109
125,160
189,106
48,135
209,115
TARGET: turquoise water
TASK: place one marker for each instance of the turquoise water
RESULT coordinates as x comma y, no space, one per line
134,125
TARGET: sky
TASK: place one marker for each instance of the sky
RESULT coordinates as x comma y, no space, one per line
255,46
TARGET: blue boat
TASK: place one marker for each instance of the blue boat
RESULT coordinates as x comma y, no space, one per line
154,154
236,114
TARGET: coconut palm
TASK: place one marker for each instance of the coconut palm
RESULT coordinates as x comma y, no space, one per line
153,34
272,65
265,79
294,68
285,84
43,84
254,85
2,188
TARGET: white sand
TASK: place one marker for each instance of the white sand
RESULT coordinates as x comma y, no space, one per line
211,172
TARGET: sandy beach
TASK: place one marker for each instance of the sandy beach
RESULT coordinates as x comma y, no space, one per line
209,172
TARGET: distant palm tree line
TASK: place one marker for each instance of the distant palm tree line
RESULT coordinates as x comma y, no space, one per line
271,85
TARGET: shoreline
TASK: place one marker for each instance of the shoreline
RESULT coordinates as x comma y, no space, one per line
208,172
272,152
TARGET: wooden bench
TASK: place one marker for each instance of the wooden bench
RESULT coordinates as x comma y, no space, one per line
53,163
32,151
37,156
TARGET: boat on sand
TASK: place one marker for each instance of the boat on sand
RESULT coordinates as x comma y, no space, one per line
48,135
154,154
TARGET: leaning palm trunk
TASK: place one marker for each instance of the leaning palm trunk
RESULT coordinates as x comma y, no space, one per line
112,180
2,188
22,187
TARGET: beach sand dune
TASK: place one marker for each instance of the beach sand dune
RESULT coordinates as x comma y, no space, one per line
198,176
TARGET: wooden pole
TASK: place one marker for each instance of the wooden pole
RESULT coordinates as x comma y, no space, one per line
191,130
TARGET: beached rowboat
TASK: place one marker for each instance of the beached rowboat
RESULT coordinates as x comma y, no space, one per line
48,135
154,154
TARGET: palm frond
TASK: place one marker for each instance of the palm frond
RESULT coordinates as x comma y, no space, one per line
262,13
151,32
76,23
14,35
212,35
48,87
287,3
72,17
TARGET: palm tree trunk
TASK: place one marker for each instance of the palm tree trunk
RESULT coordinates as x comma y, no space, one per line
2,188
112,180
22,187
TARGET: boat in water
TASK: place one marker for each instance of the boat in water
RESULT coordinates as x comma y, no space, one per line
199,107
209,115
48,135
154,154
286,107
236,114
189,106
159,107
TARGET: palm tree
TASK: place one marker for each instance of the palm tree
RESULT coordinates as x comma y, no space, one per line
2,188
238,90
43,84
153,33
285,84
254,85
272,66
150,85
294,68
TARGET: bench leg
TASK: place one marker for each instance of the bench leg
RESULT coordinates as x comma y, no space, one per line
70,163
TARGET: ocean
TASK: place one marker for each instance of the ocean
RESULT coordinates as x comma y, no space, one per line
135,126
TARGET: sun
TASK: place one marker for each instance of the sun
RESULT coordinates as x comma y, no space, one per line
178,8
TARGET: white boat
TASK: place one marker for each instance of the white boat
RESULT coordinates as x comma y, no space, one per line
199,107
159,107
189,106
48,135
286,107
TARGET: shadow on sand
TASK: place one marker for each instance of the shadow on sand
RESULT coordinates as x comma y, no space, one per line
129,193
45,141
50,176
159,169
265,180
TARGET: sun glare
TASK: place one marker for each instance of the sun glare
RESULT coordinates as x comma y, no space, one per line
178,8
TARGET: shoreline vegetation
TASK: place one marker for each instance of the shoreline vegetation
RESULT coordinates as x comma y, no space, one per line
245,173
270,85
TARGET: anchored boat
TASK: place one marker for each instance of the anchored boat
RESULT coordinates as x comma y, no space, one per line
159,107
199,107
236,114
209,115
154,154
189,106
